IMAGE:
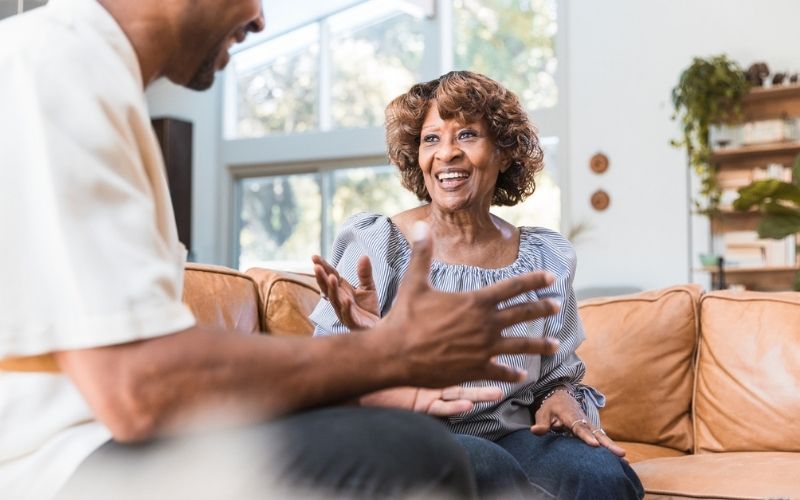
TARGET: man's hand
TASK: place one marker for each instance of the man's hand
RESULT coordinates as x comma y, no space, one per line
445,402
440,339
356,307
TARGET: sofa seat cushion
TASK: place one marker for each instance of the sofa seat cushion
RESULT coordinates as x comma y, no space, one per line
221,297
637,452
744,475
639,351
748,373
287,300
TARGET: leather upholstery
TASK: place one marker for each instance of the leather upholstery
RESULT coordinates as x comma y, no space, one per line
639,352
747,475
748,373
637,452
222,297
287,299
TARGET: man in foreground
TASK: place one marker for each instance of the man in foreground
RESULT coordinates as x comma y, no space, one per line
93,277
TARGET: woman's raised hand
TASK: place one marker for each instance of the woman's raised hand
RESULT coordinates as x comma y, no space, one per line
356,307
561,412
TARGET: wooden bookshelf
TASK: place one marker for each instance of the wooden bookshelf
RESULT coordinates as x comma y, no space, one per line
781,101
755,155
735,166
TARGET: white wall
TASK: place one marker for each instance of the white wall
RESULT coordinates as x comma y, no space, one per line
202,109
623,58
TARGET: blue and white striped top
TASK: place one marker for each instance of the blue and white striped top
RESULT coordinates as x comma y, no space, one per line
377,237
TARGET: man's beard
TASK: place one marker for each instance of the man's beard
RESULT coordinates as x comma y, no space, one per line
203,78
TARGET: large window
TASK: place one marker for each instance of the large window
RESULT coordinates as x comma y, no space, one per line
304,112
285,219
337,71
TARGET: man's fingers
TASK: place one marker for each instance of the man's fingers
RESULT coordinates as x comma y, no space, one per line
527,311
474,394
420,264
504,373
515,345
517,285
364,269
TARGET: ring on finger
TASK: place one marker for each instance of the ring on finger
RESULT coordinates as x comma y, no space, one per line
599,430
579,421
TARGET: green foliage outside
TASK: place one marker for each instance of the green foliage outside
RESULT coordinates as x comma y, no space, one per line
512,41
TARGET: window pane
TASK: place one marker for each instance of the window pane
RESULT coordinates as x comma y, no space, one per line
368,189
276,85
511,41
279,221
543,207
376,52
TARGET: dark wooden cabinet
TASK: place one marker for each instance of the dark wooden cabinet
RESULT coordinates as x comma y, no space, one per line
175,138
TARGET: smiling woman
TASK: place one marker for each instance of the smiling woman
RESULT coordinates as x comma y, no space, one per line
463,143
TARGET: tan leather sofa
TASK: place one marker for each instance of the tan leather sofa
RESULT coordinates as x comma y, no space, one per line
703,389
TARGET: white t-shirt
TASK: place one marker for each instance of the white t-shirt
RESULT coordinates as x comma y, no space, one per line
89,253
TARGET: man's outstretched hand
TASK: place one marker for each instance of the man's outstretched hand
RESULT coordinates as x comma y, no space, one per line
442,338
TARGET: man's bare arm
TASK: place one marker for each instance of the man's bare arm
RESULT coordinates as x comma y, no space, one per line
430,339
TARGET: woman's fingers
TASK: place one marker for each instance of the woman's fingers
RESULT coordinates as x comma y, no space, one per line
441,408
581,429
364,269
322,279
609,443
474,394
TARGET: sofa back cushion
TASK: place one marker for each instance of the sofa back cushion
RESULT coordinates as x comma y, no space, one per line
287,299
222,297
748,372
639,352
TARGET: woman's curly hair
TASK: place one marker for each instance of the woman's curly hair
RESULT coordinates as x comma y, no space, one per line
467,97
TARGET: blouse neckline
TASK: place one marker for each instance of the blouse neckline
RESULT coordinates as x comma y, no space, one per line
526,238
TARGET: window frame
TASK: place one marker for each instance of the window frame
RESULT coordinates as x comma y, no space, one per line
322,150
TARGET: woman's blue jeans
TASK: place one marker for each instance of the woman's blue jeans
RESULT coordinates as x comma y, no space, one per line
523,465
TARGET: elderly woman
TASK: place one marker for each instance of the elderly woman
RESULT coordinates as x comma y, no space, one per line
463,143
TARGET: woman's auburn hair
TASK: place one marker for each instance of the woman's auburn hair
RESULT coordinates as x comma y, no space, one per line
467,97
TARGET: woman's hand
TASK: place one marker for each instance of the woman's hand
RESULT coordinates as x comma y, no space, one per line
435,402
356,307
560,412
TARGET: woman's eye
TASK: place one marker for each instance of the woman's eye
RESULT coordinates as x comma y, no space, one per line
467,134
430,138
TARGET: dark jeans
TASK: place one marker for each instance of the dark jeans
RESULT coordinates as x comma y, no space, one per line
334,452
523,465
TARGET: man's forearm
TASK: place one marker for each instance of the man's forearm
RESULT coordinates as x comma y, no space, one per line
170,383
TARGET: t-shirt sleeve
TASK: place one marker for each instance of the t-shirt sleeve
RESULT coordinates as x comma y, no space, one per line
83,259
363,234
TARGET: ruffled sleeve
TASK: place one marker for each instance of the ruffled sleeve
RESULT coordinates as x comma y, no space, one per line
376,237
565,367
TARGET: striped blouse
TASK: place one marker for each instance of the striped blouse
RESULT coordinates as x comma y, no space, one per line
377,237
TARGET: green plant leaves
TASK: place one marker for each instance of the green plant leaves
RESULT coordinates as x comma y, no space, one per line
709,92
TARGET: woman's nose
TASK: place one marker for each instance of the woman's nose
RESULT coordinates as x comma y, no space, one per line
447,151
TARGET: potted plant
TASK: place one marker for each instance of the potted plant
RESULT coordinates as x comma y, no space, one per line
709,92
779,204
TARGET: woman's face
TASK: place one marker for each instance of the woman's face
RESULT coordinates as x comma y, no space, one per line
459,162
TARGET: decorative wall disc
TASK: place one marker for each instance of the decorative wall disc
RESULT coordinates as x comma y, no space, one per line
599,163
600,200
